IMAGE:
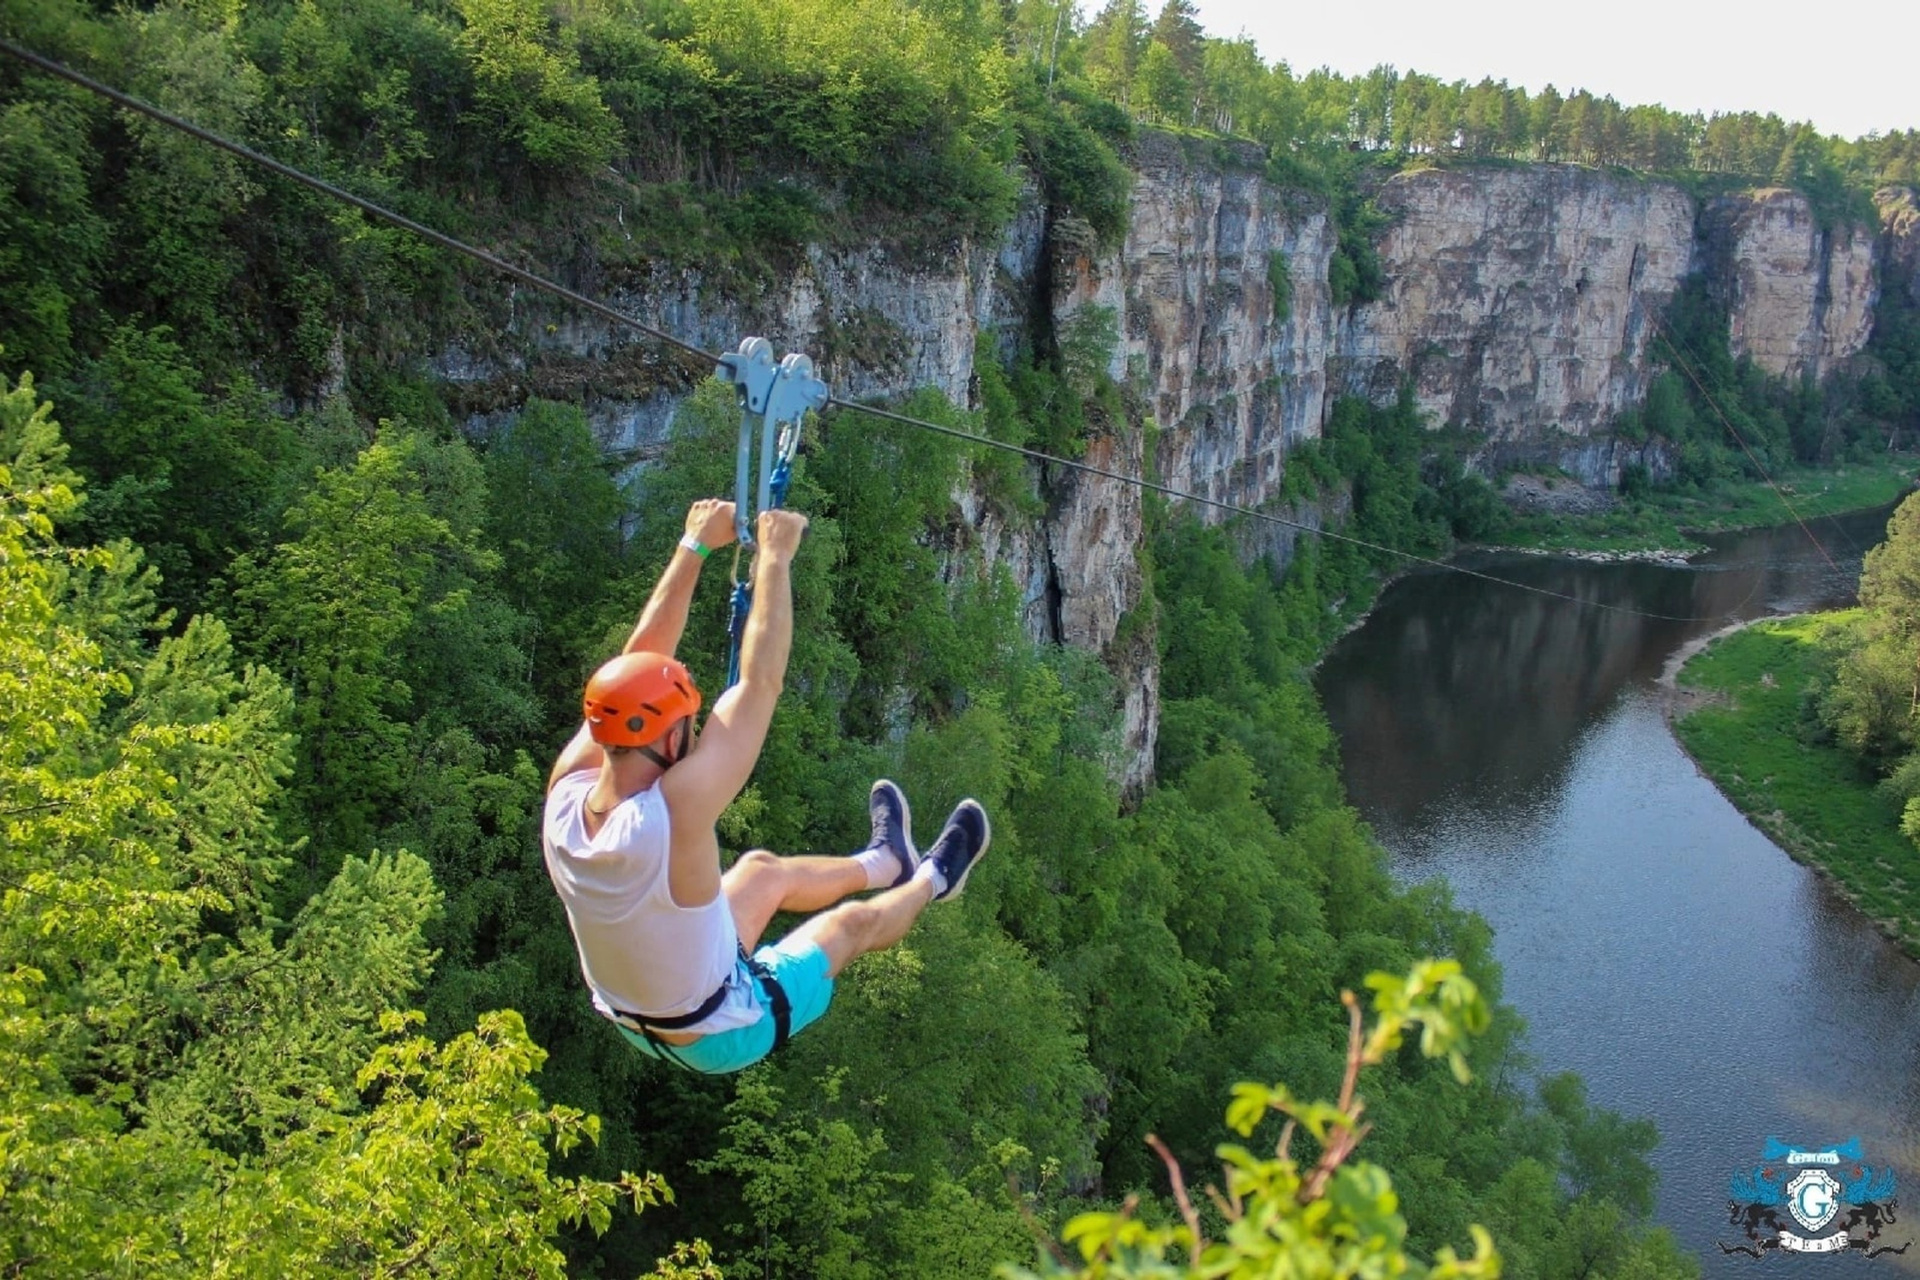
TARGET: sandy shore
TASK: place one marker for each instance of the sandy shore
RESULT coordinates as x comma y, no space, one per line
1677,702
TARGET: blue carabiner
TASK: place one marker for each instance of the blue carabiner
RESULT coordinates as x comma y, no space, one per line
742,606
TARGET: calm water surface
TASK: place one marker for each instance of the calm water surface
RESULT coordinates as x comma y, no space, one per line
1653,939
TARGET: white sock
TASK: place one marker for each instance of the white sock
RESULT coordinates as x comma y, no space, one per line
882,867
929,870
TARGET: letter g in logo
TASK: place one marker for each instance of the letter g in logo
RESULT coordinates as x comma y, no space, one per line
1813,1197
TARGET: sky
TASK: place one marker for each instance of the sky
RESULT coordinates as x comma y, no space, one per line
1848,66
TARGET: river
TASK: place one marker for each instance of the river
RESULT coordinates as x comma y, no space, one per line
1654,940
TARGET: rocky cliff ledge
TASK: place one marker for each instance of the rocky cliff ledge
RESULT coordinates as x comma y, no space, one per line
1522,303
1799,298
1900,220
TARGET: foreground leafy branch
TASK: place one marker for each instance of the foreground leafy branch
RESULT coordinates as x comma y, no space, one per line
1332,1217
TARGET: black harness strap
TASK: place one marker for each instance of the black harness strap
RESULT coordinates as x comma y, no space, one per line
678,1021
648,1025
777,1003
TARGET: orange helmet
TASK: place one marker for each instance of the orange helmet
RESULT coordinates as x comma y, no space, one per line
636,697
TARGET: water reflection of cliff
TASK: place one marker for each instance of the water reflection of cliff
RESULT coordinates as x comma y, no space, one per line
1464,687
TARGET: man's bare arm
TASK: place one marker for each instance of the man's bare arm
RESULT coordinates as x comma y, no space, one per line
698,788
709,521
581,752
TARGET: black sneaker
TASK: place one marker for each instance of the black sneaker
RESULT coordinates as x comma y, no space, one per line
893,827
959,846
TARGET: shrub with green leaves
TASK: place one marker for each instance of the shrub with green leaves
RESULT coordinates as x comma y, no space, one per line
1284,1215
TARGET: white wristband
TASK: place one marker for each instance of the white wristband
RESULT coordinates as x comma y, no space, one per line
694,545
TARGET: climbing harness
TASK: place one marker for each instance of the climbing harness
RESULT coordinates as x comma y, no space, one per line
777,1003
778,395
779,1008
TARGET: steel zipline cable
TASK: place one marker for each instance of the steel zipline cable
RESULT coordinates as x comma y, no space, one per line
60,71
326,188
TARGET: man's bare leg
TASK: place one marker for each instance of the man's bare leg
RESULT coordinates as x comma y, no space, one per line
852,929
762,884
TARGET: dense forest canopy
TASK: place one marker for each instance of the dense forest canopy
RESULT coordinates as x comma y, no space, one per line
1169,72
288,651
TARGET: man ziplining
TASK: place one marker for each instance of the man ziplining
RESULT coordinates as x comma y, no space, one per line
669,944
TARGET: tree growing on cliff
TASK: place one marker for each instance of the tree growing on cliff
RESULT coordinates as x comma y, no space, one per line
1115,42
1171,83
531,86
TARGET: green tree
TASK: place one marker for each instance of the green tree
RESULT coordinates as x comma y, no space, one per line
193,481
532,86
1543,124
191,1085
1115,42
1875,696
1335,1216
53,241
1235,84
331,606
553,514
1178,28
1160,86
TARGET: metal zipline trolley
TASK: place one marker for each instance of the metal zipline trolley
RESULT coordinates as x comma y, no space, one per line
779,395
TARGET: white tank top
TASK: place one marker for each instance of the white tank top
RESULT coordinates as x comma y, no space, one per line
641,952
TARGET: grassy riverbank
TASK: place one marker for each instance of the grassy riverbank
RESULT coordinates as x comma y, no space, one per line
1668,521
1746,729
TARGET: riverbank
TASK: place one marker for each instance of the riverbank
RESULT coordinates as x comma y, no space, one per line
1736,710
1816,494
1661,525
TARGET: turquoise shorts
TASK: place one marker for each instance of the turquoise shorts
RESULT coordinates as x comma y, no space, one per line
801,970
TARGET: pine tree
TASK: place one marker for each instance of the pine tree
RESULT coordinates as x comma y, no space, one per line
1116,41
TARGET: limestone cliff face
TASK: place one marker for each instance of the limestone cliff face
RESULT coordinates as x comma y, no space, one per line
1799,299
874,326
1900,223
1232,379
1521,302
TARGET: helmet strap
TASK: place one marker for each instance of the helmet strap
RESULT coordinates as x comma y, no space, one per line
682,738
